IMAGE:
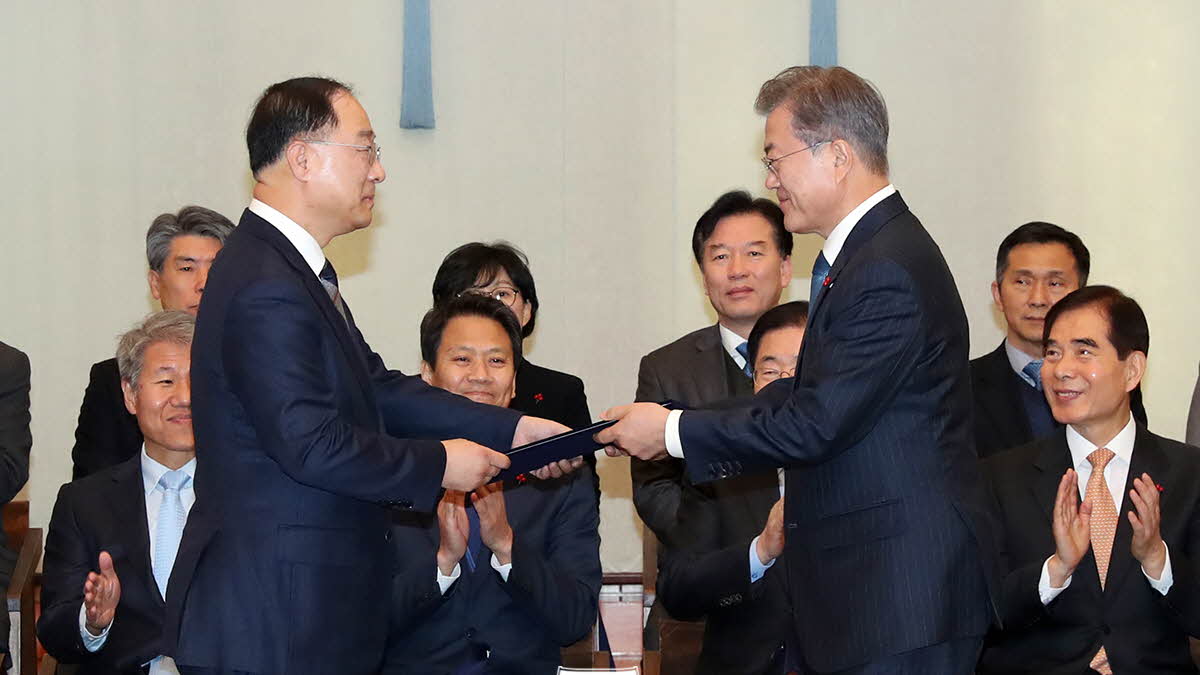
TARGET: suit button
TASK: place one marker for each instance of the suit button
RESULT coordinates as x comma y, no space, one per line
470,634
387,536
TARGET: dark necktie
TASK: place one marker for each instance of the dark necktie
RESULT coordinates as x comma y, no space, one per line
474,542
744,350
329,280
820,272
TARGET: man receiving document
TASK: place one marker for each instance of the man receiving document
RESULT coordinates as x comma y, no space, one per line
881,510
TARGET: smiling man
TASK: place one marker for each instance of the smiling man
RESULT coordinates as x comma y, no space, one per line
113,535
885,530
1037,264
180,249
1108,584
517,565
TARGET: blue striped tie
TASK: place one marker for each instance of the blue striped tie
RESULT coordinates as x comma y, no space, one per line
820,272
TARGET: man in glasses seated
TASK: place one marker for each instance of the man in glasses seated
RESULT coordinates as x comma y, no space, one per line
731,535
517,564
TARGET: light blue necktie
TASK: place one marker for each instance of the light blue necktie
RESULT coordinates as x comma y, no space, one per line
1033,374
744,350
820,272
169,528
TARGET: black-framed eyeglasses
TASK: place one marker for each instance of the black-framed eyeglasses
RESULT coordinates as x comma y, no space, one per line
769,162
505,294
374,148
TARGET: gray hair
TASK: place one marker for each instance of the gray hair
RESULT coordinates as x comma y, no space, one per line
828,104
172,326
194,220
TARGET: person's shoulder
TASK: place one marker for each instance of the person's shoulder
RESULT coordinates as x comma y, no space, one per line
552,379
1015,461
684,347
983,366
13,359
102,480
1176,450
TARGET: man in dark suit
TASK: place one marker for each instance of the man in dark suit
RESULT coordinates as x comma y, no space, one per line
113,535
733,536
15,444
1036,266
745,258
300,428
518,565
180,248
1108,585
883,514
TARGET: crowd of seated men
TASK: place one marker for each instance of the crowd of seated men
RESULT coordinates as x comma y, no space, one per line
1096,519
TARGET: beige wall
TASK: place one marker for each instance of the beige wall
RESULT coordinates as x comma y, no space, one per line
591,134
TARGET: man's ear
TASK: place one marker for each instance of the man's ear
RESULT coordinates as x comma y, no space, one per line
154,279
785,270
130,398
299,159
1135,369
842,154
426,373
996,296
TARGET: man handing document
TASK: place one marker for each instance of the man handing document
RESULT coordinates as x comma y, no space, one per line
305,441
881,513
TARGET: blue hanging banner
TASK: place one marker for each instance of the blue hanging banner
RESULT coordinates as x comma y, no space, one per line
822,33
416,96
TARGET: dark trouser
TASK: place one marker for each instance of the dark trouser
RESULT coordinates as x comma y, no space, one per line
956,657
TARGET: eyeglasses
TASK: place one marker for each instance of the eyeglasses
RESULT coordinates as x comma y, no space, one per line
378,151
772,374
505,294
770,162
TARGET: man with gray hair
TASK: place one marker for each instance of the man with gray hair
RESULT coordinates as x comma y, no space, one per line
883,520
113,535
180,248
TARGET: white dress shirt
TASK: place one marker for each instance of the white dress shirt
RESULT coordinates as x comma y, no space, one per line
730,341
831,249
1017,359
444,582
152,472
304,242
1115,474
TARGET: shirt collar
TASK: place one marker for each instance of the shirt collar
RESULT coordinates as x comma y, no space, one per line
1121,444
304,242
152,471
1017,358
730,341
836,238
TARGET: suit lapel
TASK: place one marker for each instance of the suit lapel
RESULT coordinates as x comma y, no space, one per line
1052,462
128,497
710,377
1148,458
1003,400
341,328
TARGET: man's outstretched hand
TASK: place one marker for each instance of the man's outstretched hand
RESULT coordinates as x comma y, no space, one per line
640,431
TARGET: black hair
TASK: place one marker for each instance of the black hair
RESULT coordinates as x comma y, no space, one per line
794,313
1127,328
1038,232
435,322
302,105
735,203
478,264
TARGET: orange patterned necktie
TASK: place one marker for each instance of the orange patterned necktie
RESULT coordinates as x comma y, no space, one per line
1104,528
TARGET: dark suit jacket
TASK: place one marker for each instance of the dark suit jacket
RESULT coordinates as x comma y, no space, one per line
107,434
709,577
691,371
103,512
15,444
549,601
1142,630
1000,419
883,505
542,392
299,461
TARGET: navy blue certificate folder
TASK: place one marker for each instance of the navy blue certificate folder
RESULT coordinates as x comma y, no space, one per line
573,443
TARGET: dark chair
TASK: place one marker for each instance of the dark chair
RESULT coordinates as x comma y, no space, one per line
27,542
